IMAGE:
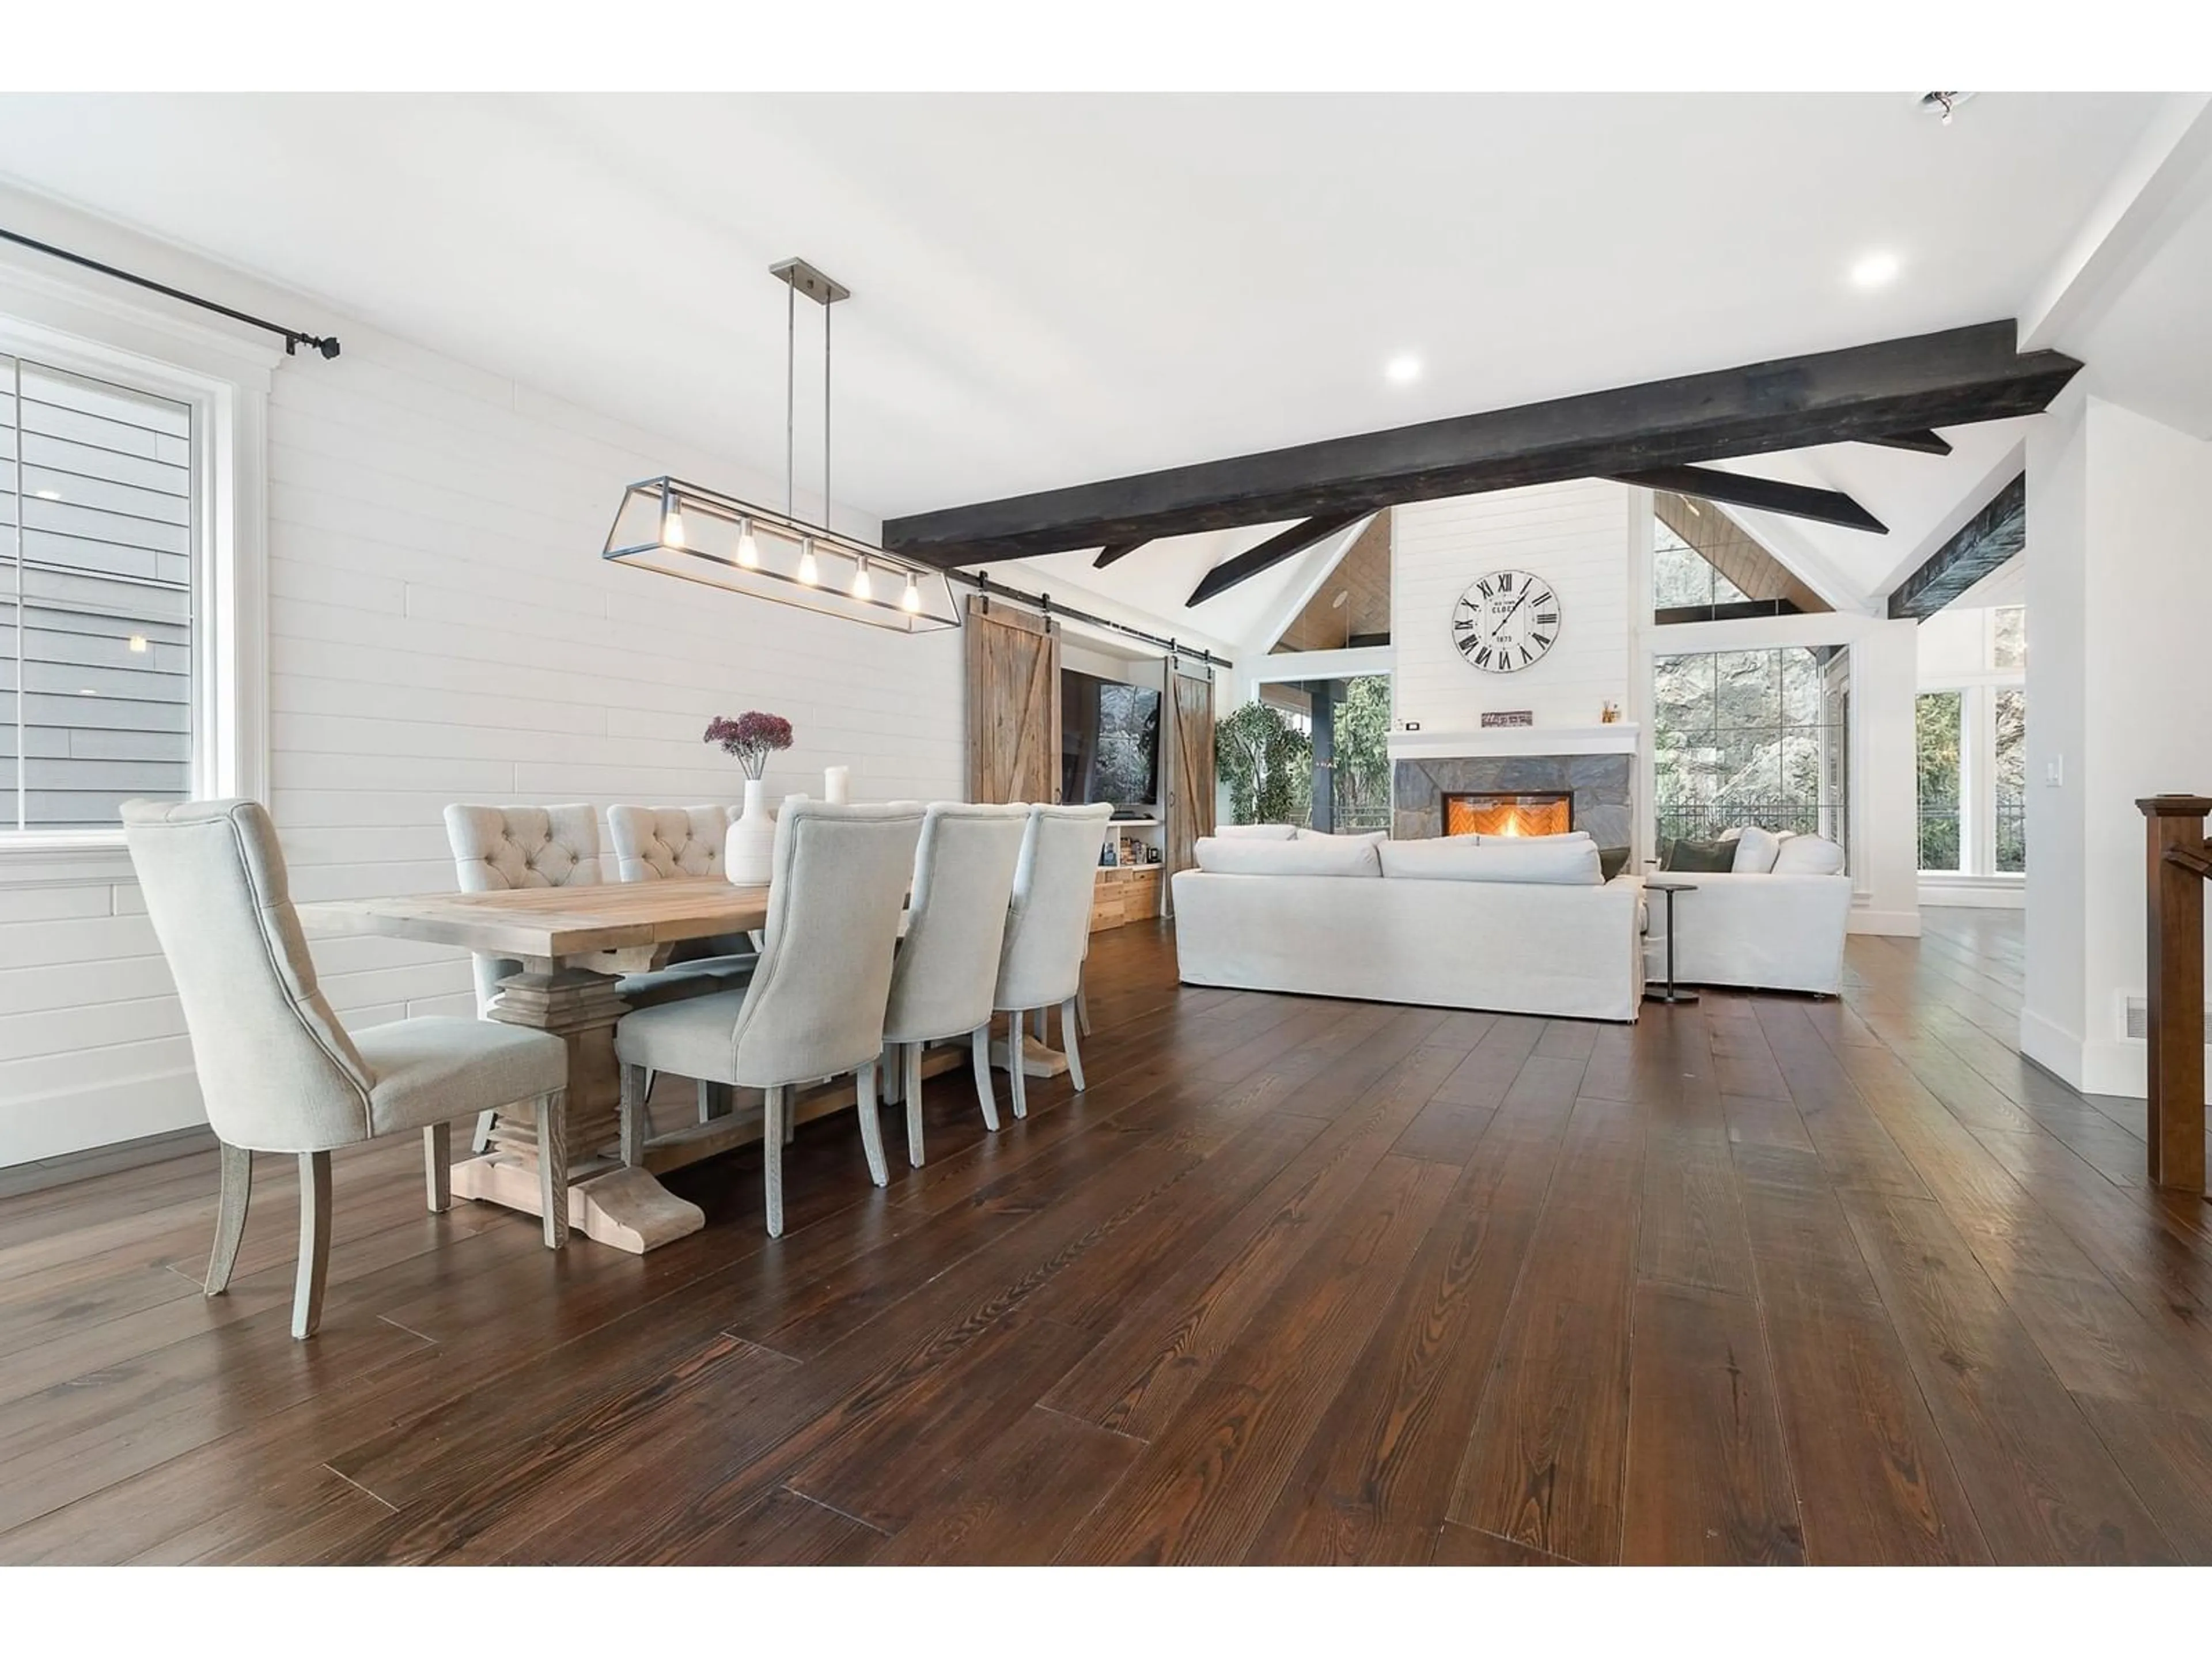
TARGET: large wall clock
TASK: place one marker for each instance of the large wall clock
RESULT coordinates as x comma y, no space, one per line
1507,620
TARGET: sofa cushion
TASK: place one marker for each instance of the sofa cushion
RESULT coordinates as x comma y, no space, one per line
1809,855
1373,837
1705,857
1754,851
1501,857
1324,855
1256,832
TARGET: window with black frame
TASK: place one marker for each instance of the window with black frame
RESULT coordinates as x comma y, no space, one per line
1742,737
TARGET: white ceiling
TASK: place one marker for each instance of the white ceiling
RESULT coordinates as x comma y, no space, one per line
1050,289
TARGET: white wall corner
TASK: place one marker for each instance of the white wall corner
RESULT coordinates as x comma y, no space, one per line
1891,924
2056,1050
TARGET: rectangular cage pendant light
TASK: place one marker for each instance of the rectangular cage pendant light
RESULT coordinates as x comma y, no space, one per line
704,536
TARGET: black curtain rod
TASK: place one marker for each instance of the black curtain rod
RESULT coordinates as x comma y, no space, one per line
294,339
1042,602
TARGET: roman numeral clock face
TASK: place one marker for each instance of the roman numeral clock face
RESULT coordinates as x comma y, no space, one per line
1507,620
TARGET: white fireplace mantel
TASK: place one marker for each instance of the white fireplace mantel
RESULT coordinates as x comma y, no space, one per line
1618,738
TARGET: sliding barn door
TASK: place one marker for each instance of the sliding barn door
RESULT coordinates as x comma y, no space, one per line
1013,704
1190,774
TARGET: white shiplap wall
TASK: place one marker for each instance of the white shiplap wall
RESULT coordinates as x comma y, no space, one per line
441,628
1578,536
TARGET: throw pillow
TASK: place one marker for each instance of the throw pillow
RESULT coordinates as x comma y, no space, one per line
1754,851
1372,837
1611,861
1809,855
1257,832
1501,857
1700,857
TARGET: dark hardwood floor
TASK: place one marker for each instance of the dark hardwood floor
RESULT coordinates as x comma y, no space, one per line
1760,1279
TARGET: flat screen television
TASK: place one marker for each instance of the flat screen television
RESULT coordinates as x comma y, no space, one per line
1109,742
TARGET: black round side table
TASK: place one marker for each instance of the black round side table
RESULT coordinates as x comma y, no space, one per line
1669,886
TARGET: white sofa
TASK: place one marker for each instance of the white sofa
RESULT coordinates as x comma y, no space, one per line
1775,922
1451,923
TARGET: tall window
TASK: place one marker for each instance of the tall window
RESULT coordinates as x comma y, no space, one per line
1972,757
1753,738
99,513
1681,575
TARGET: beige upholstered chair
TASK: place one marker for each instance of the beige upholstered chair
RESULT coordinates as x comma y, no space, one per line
815,1008
499,847
277,1071
948,962
1048,929
666,843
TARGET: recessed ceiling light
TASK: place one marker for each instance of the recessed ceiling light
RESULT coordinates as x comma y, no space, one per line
1402,369
1876,269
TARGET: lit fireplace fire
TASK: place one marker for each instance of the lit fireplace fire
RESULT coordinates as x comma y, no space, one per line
1509,814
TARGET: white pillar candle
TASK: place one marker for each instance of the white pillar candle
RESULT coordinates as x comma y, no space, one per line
836,781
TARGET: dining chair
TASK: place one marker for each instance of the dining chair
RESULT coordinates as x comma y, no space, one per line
668,843
1049,930
947,965
277,1071
815,1008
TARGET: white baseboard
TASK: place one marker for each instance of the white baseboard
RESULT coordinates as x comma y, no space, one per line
1893,924
1974,898
51,1125
2056,1050
2103,1065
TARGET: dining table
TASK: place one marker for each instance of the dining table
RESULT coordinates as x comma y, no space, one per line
576,945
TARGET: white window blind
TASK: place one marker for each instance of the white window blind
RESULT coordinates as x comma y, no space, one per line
98,507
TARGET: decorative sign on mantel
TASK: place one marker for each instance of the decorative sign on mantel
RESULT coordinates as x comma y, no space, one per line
1508,717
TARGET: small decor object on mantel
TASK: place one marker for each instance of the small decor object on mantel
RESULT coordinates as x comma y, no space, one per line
1508,717
749,854
836,784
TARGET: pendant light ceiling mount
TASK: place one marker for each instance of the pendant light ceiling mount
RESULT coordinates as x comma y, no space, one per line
721,540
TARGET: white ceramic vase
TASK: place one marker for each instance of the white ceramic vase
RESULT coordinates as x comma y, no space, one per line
749,854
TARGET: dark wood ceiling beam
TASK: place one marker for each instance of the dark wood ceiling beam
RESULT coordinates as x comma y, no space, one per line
1283,545
1767,494
1952,379
1920,443
1113,554
1980,546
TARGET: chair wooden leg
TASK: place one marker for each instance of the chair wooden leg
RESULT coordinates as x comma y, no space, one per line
314,1243
553,1167
777,1108
980,1051
910,1089
230,1217
634,1127
872,1125
480,1141
1068,1024
1083,1009
1041,1014
891,1068
438,1166
715,1100
1014,1058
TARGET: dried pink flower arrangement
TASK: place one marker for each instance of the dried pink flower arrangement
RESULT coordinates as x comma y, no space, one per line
752,738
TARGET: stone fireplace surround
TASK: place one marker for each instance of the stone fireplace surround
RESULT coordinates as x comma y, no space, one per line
1601,785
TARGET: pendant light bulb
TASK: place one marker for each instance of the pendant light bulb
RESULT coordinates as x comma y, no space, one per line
862,588
910,601
748,548
672,527
809,571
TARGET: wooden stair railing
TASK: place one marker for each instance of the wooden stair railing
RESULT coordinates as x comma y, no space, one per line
2180,861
